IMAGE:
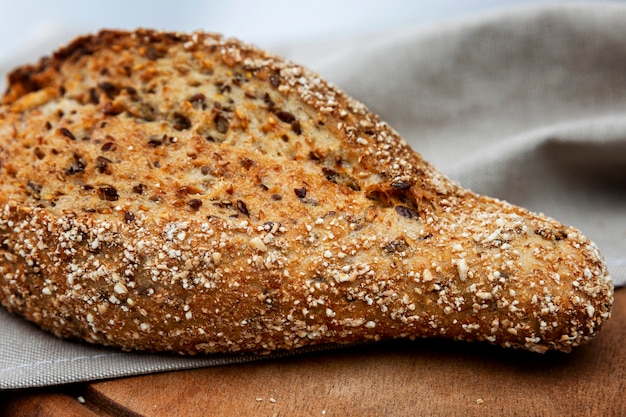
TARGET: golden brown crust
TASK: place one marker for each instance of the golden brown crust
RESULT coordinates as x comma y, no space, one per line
191,193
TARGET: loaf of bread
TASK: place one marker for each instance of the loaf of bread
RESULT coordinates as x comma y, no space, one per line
189,193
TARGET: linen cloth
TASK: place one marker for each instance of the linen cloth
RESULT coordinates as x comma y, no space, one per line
525,104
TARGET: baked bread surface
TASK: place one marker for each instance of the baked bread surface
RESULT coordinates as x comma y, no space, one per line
189,193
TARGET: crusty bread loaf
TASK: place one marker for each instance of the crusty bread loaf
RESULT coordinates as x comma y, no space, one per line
173,192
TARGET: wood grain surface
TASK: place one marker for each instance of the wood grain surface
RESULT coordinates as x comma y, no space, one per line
425,377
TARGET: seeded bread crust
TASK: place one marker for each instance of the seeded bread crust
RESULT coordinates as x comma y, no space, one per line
189,193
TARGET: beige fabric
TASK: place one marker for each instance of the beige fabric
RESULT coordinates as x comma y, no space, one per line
527,105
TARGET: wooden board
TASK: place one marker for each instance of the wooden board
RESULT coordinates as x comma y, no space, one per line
426,377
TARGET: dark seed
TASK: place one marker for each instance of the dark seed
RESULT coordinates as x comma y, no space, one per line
102,164
247,163
223,204
109,146
395,246
152,54
238,79
147,112
39,153
181,122
205,170
352,184
65,132
401,184
176,37
309,201
138,189
560,235
314,156
129,217
285,116
34,187
194,204
197,98
108,193
108,88
268,100
296,127
223,88
407,212
94,98
241,206
277,197
221,123
78,166
330,174
48,126
300,192
153,143
131,90
274,80
551,234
